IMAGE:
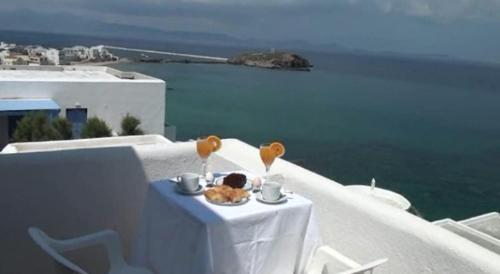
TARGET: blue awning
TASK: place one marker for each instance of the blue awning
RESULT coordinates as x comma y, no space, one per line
20,106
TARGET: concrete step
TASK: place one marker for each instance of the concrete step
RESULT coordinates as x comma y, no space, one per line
471,234
487,223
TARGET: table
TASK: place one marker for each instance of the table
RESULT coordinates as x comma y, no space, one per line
186,234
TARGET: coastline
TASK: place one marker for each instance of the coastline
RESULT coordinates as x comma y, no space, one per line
105,63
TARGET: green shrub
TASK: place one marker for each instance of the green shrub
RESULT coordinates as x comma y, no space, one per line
130,126
95,128
63,128
24,129
35,127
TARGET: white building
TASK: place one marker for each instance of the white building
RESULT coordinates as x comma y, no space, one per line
35,50
98,52
47,56
80,92
3,54
52,56
95,52
4,45
11,60
73,54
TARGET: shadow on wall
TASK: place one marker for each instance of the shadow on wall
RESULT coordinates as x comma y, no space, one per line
67,194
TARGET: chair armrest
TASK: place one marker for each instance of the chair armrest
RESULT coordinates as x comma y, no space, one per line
42,240
366,267
84,241
108,238
329,254
326,254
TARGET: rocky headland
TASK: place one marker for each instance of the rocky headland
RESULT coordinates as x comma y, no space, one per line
277,60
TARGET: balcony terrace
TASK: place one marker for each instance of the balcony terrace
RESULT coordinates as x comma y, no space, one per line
82,189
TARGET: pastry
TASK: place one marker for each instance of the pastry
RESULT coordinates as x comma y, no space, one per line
226,194
237,195
235,180
215,196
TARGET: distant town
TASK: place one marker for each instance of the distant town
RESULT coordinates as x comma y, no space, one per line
35,55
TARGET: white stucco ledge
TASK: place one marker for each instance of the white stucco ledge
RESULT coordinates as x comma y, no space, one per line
382,195
365,229
138,140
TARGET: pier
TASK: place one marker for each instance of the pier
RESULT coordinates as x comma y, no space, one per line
194,56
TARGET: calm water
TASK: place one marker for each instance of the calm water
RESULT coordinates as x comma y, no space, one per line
429,130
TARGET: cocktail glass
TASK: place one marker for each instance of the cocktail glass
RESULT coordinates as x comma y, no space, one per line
267,156
269,152
205,146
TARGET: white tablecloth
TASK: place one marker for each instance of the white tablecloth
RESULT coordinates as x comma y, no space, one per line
186,234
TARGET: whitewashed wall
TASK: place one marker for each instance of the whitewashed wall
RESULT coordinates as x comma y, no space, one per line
109,100
67,194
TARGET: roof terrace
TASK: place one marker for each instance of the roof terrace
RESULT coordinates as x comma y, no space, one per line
69,74
77,191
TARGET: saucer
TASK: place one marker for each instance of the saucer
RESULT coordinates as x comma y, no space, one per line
198,191
283,199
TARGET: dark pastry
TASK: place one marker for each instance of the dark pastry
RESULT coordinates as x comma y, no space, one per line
235,180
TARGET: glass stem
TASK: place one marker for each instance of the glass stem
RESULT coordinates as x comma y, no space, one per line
204,164
267,171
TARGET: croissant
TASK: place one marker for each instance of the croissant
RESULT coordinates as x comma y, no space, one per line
215,196
225,194
237,195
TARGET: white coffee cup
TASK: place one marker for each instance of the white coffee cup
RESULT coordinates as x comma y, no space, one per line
271,191
188,181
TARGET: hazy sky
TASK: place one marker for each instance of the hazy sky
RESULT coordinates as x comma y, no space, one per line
462,28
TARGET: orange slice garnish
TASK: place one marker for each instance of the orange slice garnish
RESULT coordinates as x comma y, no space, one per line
215,141
278,149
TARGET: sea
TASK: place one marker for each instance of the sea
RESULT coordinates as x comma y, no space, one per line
424,127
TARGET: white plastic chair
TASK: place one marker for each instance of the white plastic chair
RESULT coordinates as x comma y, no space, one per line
108,238
326,254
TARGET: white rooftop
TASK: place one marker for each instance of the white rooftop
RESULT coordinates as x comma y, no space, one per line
69,73
55,75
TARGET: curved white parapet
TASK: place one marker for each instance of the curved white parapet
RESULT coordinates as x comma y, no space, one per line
382,195
365,229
